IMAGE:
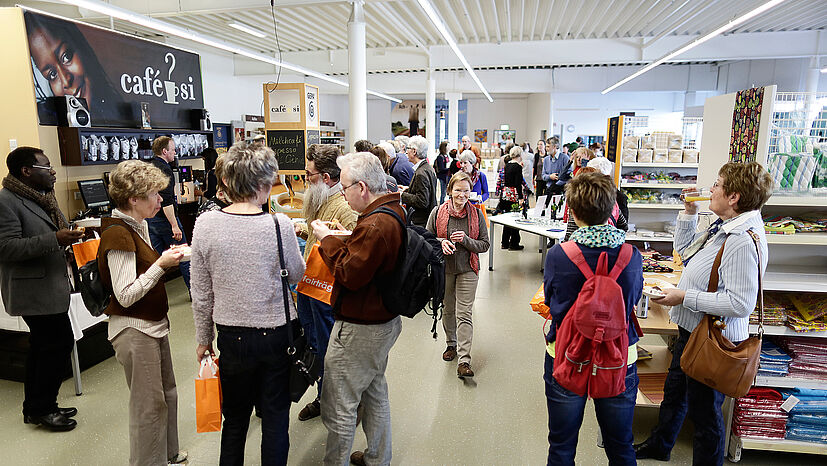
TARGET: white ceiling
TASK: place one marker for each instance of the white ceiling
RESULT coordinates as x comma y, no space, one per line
321,25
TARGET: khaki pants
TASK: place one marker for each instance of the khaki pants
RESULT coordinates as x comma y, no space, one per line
460,292
153,397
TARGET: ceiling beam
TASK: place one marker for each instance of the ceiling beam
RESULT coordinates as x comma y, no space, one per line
483,21
658,11
534,19
468,21
508,20
559,20
496,19
382,28
604,10
522,19
457,26
546,22
623,15
402,28
585,20
432,36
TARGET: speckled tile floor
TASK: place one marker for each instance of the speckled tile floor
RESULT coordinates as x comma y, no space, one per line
499,417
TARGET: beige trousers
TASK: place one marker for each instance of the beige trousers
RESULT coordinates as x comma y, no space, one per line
460,292
153,397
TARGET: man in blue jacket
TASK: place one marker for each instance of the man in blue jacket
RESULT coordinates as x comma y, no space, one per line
556,169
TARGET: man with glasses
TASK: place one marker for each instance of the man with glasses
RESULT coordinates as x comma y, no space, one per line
466,145
323,200
421,196
165,228
34,281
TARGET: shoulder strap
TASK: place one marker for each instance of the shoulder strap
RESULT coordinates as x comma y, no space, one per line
755,240
291,349
622,260
713,275
575,255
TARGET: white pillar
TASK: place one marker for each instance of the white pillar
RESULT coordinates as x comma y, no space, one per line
453,99
357,74
811,87
430,114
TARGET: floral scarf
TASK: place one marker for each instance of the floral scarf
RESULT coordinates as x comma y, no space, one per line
599,236
446,210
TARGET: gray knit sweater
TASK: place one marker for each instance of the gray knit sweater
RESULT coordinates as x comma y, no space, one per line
235,271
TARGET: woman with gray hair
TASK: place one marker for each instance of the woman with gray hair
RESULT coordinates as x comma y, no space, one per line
400,168
138,323
247,308
479,182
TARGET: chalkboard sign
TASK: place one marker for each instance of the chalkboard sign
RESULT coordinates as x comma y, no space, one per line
289,146
612,149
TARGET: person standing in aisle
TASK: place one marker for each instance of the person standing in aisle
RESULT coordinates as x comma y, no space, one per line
466,145
514,192
138,323
421,196
165,228
591,197
462,231
479,182
237,288
555,171
365,330
401,169
737,197
323,200
442,170
539,158
528,163
34,281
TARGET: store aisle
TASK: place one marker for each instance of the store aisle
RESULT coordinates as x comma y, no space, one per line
498,417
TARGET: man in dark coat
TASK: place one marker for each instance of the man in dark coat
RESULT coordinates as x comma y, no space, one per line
421,195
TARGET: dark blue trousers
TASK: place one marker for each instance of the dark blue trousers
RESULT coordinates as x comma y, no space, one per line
316,318
160,234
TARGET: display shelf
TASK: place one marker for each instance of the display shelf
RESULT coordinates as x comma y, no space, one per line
657,322
651,239
788,382
780,330
661,357
658,165
795,278
737,444
639,205
626,184
801,239
797,201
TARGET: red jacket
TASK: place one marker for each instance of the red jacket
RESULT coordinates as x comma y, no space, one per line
370,251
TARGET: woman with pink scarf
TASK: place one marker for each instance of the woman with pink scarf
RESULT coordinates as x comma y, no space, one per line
460,227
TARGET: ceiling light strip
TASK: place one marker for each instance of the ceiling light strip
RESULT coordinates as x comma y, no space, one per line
443,30
249,30
720,30
150,23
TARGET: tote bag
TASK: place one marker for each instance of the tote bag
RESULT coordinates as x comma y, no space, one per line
208,397
317,281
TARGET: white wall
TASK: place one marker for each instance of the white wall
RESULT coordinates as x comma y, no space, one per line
789,75
483,114
538,117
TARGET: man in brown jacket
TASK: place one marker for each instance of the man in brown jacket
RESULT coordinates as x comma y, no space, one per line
364,330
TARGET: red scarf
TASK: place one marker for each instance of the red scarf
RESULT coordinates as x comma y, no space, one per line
446,210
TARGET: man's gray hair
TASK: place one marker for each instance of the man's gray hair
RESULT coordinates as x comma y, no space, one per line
468,156
398,146
389,149
421,146
364,167
402,139
246,169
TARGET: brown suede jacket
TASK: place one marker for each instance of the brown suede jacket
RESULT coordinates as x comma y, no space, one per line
371,251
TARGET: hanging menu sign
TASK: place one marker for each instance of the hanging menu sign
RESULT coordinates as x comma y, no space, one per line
290,147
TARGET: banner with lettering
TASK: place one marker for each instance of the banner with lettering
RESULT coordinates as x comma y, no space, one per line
113,72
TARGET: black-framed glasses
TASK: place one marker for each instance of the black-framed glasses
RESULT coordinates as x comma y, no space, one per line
345,188
308,174
43,167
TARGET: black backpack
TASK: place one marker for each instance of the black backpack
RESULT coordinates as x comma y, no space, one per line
419,279
94,293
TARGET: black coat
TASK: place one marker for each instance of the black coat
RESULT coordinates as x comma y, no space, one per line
421,196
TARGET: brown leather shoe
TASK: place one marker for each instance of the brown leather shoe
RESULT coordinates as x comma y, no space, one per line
357,458
464,370
450,353
313,409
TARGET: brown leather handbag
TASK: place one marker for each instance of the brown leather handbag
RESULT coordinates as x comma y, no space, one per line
710,358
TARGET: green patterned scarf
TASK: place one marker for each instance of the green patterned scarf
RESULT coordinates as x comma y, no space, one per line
599,236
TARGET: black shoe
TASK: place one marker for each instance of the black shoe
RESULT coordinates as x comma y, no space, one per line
646,450
313,409
68,412
55,422
518,247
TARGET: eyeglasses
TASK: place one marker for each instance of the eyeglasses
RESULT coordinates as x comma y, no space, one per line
345,188
43,167
309,174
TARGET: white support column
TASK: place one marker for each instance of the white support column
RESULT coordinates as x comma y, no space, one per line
453,99
357,74
430,114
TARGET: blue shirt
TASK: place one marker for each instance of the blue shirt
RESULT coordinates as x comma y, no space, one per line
402,171
556,164
481,187
562,282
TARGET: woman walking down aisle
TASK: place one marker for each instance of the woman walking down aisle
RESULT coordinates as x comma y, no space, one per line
462,232
236,285
138,324
479,182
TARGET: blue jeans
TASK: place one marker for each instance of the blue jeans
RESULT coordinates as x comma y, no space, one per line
254,367
443,188
565,415
682,395
160,234
316,318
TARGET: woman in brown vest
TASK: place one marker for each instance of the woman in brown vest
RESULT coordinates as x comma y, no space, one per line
138,324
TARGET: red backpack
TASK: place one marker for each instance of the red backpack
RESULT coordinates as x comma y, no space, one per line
592,343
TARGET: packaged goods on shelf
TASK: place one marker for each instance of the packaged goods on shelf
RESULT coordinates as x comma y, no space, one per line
631,142
810,305
647,142
759,415
807,420
645,155
675,156
690,156
809,358
792,172
801,224
629,155
796,322
773,360
660,156
675,141
776,307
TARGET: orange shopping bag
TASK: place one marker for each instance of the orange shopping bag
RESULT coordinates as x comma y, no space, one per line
85,251
317,281
482,209
208,397
538,303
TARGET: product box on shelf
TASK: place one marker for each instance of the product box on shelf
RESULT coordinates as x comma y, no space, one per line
690,156
645,155
660,156
675,156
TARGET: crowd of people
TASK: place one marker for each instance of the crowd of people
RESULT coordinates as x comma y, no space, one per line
250,317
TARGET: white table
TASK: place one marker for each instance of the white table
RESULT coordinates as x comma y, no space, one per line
532,225
78,316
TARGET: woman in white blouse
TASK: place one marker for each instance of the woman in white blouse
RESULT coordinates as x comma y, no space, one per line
138,324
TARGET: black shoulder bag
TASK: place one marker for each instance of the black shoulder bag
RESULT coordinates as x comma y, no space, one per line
304,363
